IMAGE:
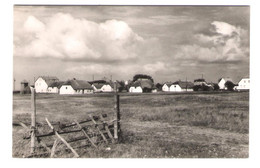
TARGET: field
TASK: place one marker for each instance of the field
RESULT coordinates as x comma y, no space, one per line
153,125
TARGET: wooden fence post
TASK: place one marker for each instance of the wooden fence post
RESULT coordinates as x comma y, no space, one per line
116,114
33,118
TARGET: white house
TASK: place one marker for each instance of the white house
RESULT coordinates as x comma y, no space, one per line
166,87
243,84
42,83
221,83
76,87
141,86
102,87
137,89
107,88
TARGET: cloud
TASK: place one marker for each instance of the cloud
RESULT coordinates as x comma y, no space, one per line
66,37
227,43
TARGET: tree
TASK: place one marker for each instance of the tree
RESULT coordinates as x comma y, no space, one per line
229,85
142,76
215,86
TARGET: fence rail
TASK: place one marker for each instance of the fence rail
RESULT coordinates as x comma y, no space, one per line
94,129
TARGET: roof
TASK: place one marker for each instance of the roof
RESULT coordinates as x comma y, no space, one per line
226,79
199,80
168,84
78,84
49,79
56,84
98,85
184,84
143,84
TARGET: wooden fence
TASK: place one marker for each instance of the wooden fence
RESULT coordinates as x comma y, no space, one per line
93,130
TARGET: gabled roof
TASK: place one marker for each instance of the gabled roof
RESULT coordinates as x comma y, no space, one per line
184,84
143,84
98,85
199,80
57,84
168,84
78,84
49,79
226,79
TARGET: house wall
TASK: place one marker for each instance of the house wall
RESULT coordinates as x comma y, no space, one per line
244,84
175,88
53,90
106,88
165,88
221,84
67,89
137,89
40,86
88,91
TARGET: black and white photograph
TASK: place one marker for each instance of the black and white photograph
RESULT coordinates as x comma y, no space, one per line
131,81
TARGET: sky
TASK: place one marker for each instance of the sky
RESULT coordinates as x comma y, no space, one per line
168,43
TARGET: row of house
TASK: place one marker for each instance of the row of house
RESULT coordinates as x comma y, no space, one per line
181,86
52,85
47,84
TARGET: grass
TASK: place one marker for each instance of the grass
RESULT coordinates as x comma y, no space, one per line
153,125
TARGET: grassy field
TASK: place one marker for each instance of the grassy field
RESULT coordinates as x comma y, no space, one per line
153,125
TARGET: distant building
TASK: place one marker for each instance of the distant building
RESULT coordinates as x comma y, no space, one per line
141,86
54,87
200,82
243,84
25,88
166,87
222,81
76,87
43,82
181,86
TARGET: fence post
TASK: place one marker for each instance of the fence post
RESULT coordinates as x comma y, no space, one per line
33,120
116,114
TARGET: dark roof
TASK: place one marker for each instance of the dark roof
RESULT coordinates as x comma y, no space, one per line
49,79
168,84
199,80
57,84
143,84
97,81
98,85
78,84
184,84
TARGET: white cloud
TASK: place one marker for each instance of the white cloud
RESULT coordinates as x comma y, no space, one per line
229,44
224,28
64,36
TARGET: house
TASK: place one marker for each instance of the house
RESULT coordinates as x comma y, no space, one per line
43,82
140,86
76,87
54,87
243,84
222,81
200,82
107,87
102,87
166,87
181,86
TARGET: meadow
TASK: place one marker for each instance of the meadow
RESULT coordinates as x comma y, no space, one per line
200,125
